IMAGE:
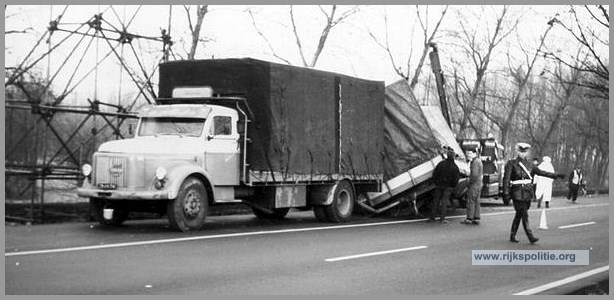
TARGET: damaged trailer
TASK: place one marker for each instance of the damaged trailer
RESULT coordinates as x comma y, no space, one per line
413,139
268,135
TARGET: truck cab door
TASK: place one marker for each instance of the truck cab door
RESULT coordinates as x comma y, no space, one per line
222,152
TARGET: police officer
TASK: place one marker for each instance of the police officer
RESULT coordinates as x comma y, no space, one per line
517,185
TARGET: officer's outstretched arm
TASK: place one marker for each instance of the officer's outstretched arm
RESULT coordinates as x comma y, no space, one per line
537,171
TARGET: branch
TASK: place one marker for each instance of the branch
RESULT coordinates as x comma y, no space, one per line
603,11
187,12
18,31
298,40
345,15
427,41
265,39
201,11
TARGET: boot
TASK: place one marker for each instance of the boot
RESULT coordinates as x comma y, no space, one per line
513,238
533,239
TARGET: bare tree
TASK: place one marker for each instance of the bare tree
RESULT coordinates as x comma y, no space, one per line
587,127
592,34
332,18
480,51
547,106
428,38
201,11
521,78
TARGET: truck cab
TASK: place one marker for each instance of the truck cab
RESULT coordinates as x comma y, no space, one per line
180,157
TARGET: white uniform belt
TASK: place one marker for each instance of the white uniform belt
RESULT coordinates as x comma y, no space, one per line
521,181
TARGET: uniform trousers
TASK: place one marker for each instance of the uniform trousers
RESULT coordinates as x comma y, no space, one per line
522,214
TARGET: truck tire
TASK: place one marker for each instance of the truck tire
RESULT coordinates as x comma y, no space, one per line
189,210
277,213
342,206
119,215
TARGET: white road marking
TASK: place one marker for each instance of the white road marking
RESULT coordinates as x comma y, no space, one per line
196,238
374,253
564,281
576,225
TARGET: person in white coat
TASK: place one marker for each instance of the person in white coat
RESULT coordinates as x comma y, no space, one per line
543,185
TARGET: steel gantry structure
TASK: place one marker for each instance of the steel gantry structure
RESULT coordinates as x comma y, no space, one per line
64,162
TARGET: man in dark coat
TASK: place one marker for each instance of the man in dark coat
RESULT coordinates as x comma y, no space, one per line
517,185
445,178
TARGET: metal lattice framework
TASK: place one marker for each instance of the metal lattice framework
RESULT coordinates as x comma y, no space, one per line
64,163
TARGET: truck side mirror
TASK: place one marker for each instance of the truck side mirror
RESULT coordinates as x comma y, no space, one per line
131,129
209,137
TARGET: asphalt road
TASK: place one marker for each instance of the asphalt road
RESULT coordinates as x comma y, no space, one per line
241,255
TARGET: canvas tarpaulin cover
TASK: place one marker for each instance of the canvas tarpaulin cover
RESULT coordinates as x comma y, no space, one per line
412,134
305,121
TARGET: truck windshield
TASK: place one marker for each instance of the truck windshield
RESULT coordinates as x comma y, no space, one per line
171,126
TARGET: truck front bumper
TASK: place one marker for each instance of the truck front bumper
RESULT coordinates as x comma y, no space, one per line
125,194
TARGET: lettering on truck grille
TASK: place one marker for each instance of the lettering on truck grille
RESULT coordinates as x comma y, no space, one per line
111,170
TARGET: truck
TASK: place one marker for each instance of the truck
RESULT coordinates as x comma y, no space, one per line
491,153
271,136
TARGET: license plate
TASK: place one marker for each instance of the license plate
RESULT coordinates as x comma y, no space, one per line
107,186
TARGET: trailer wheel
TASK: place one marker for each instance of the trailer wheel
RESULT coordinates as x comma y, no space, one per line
97,208
189,210
342,206
277,213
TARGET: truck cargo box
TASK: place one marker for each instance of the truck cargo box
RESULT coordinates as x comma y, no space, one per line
315,123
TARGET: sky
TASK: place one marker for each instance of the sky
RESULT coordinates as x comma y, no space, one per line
350,49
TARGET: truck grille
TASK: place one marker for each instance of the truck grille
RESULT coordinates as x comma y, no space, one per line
111,170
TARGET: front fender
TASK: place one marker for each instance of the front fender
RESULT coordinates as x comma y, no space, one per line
178,175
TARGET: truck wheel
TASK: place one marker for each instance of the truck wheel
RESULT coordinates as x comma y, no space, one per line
189,210
277,213
343,203
119,215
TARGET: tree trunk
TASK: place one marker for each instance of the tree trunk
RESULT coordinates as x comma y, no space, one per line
201,11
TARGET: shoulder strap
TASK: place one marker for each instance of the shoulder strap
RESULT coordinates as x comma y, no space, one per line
525,169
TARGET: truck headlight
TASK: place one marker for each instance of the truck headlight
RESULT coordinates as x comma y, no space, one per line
86,170
160,173
161,177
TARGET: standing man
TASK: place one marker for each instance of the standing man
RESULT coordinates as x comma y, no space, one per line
475,187
517,185
575,180
445,178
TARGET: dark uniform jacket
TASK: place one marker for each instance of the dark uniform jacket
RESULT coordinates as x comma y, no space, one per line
514,172
446,173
